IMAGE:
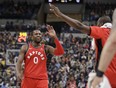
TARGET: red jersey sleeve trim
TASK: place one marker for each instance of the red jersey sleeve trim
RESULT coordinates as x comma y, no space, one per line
96,32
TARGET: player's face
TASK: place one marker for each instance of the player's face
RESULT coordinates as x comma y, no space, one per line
37,36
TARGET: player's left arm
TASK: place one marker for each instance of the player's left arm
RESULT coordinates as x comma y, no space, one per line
58,50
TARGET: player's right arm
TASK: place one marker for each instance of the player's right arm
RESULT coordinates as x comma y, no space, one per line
20,61
72,22
58,50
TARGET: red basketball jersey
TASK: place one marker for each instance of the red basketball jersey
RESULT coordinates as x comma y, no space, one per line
35,63
101,35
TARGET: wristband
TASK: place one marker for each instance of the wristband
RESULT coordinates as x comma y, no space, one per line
59,49
99,73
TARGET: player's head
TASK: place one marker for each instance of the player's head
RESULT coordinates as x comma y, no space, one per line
102,20
37,36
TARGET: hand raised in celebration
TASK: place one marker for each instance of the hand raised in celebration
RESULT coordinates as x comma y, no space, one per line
55,10
51,31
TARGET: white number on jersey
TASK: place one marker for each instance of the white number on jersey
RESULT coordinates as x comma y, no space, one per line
35,60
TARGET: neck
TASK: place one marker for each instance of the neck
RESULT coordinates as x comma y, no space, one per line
36,44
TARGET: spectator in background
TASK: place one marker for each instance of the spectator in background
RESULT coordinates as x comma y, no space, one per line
71,83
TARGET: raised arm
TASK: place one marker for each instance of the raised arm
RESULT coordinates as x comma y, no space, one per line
20,61
72,22
59,49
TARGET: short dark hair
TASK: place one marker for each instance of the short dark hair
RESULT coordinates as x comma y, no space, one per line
105,19
37,28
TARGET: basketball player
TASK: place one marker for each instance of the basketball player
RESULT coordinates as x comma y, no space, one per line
100,33
34,57
109,51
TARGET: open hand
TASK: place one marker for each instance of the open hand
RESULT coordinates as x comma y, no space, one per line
51,31
55,10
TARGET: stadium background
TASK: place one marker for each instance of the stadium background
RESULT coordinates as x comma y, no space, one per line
19,17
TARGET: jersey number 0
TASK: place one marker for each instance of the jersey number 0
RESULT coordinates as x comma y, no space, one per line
35,60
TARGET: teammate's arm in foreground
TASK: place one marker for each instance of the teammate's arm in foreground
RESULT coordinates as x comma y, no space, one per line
107,55
72,22
59,49
19,70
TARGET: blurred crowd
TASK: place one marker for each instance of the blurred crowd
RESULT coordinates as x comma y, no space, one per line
7,72
95,10
71,70
20,10
17,26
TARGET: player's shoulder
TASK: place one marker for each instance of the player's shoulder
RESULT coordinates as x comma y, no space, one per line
95,27
105,30
24,47
99,28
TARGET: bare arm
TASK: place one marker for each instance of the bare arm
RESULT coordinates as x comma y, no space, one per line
20,61
50,49
75,24
72,22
